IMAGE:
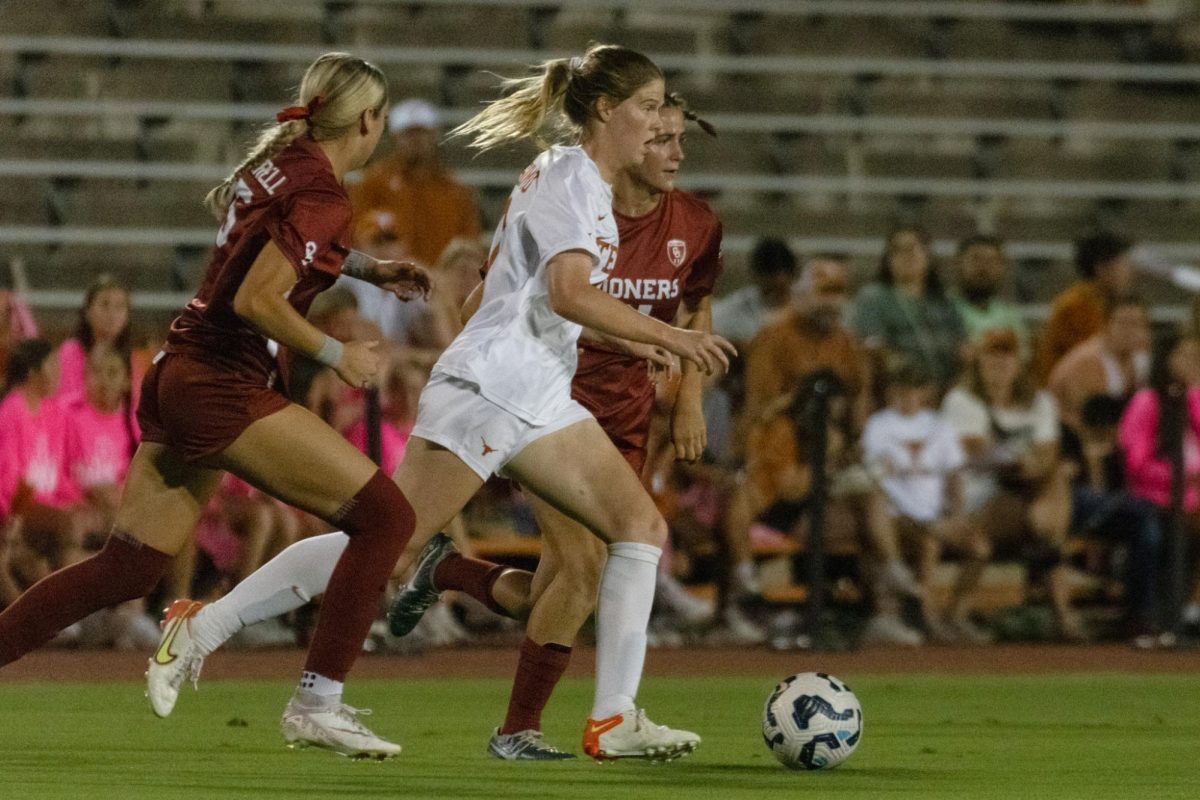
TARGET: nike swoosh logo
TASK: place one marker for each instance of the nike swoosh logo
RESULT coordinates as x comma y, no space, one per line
164,655
597,728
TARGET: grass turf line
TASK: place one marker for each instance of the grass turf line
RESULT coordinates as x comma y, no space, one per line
1092,736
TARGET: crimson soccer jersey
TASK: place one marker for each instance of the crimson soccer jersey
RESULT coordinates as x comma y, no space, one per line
295,201
670,255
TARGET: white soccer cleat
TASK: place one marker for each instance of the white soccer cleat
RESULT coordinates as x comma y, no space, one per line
632,735
175,660
333,726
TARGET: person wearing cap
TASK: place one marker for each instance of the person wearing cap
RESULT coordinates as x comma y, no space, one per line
1016,488
982,269
410,197
1115,361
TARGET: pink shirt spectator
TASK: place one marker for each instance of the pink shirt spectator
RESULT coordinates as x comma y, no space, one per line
98,446
33,451
392,442
72,378
1148,475
72,366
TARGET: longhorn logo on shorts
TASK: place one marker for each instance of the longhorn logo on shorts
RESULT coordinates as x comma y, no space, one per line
487,448
677,252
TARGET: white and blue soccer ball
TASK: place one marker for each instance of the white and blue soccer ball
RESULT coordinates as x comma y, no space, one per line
812,721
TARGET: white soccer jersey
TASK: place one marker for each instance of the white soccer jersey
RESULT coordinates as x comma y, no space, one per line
518,352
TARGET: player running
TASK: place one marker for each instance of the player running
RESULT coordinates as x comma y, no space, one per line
669,263
499,400
213,402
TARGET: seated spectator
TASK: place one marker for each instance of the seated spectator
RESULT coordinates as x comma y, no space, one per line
906,312
1103,508
778,483
1016,490
35,481
457,272
411,195
738,316
982,272
101,437
808,336
1162,421
103,320
1079,312
419,324
1115,361
916,458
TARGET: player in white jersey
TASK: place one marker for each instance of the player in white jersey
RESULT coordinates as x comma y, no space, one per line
499,399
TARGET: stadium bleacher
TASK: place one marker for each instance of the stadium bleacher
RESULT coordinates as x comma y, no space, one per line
1030,120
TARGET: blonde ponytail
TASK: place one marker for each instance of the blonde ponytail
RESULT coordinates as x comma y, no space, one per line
566,89
336,89
522,112
271,143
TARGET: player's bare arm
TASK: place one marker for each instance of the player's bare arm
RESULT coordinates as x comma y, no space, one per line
261,301
572,296
689,434
404,279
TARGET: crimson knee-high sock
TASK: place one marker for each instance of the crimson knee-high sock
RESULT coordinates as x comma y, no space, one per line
472,576
540,668
379,522
125,569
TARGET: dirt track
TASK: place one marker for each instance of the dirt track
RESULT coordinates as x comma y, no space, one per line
67,665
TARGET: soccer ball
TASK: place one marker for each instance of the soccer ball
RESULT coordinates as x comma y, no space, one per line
812,721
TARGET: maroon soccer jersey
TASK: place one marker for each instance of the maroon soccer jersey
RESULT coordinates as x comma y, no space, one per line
295,201
670,255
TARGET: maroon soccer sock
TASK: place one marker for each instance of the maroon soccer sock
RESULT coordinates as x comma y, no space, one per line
539,670
125,569
472,576
379,522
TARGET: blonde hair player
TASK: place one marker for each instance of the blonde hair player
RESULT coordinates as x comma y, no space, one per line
668,266
499,400
212,403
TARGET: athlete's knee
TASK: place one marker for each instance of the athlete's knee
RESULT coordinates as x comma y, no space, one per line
380,508
638,522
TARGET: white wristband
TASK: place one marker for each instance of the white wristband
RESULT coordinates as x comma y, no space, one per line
330,353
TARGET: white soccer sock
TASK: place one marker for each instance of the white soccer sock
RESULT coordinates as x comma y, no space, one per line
315,689
622,614
286,582
1191,613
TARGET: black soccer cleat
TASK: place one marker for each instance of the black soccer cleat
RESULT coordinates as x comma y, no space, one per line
413,600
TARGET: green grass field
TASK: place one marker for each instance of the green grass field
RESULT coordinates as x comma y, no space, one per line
1088,736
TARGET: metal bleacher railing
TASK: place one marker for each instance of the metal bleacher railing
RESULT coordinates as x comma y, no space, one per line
695,63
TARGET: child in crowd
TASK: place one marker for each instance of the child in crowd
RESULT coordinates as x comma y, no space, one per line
915,456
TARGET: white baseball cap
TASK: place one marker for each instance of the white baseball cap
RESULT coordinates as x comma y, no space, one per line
414,113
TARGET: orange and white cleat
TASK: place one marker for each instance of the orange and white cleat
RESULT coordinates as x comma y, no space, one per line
176,658
631,734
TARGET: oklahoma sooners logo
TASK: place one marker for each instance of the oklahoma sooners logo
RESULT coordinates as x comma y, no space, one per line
677,252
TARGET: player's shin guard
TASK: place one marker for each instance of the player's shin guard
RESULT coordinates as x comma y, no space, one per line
379,521
125,569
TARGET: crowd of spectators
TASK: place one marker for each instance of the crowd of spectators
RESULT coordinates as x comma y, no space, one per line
954,436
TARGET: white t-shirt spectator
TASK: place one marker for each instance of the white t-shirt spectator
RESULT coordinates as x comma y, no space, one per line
1011,432
912,455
